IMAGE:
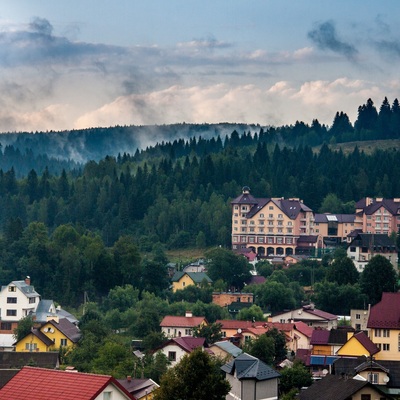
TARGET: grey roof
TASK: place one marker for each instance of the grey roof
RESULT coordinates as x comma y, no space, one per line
16,359
229,347
28,290
197,277
249,367
341,218
333,387
44,310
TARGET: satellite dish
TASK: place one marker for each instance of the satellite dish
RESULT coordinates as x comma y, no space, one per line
386,379
239,331
324,372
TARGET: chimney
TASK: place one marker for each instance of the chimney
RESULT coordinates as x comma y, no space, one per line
128,378
28,280
188,314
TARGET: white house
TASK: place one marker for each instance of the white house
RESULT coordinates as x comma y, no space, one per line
17,300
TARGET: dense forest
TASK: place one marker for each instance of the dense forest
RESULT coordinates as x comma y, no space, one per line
81,223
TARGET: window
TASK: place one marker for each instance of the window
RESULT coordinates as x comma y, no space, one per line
5,326
188,332
373,378
398,343
11,313
386,347
270,240
12,300
261,215
172,355
252,222
271,208
32,300
386,332
378,333
63,342
358,316
30,346
289,240
107,396
12,289
358,327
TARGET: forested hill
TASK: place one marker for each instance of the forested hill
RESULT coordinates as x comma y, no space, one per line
177,194
69,150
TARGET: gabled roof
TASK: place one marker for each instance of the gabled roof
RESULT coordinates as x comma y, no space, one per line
70,330
389,204
40,383
333,387
249,367
138,387
45,309
181,322
386,313
366,343
186,343
237,324
373,241
303,328
27,290
40,335
196,277
229,348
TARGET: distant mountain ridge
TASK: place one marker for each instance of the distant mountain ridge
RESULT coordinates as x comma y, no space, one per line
96,143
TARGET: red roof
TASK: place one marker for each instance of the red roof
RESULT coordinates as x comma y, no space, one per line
181,322
386,314
320,336
304,328
49,384
236,324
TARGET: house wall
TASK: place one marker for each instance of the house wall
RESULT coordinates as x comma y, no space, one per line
325,350
269,229
352,348
55,336
32,340
182,283
359,319
393,340
21,304
259,390
179,353
367,390
236,388
302,315
116,394
224,299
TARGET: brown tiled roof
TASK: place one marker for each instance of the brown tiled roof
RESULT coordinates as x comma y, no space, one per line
43,359
236,324
186,343
181,322
70,330
386,313
367,343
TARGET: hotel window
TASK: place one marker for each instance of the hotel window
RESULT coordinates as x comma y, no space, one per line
251,222
261,222
235,229
244,208
260,240
280,230
261,230
289,223
270,240
289,240
270,230
280,215
261,215
244,230
251,239
289,230
271,216
251,229
270,223
243,222
236,207
279,240
236,215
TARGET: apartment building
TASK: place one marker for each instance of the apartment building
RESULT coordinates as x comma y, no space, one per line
378,215
272,226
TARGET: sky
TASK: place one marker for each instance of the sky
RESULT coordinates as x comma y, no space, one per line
79,64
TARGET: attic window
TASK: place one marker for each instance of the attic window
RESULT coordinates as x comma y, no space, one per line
12,289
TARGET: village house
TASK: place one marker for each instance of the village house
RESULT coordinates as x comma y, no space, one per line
39,383
176,326
250,379
182,279
366,245
223,299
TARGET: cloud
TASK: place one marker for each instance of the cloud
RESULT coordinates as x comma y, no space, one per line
390,48
325,37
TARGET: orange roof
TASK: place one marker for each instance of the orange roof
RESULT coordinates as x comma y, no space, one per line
182,322
48,384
